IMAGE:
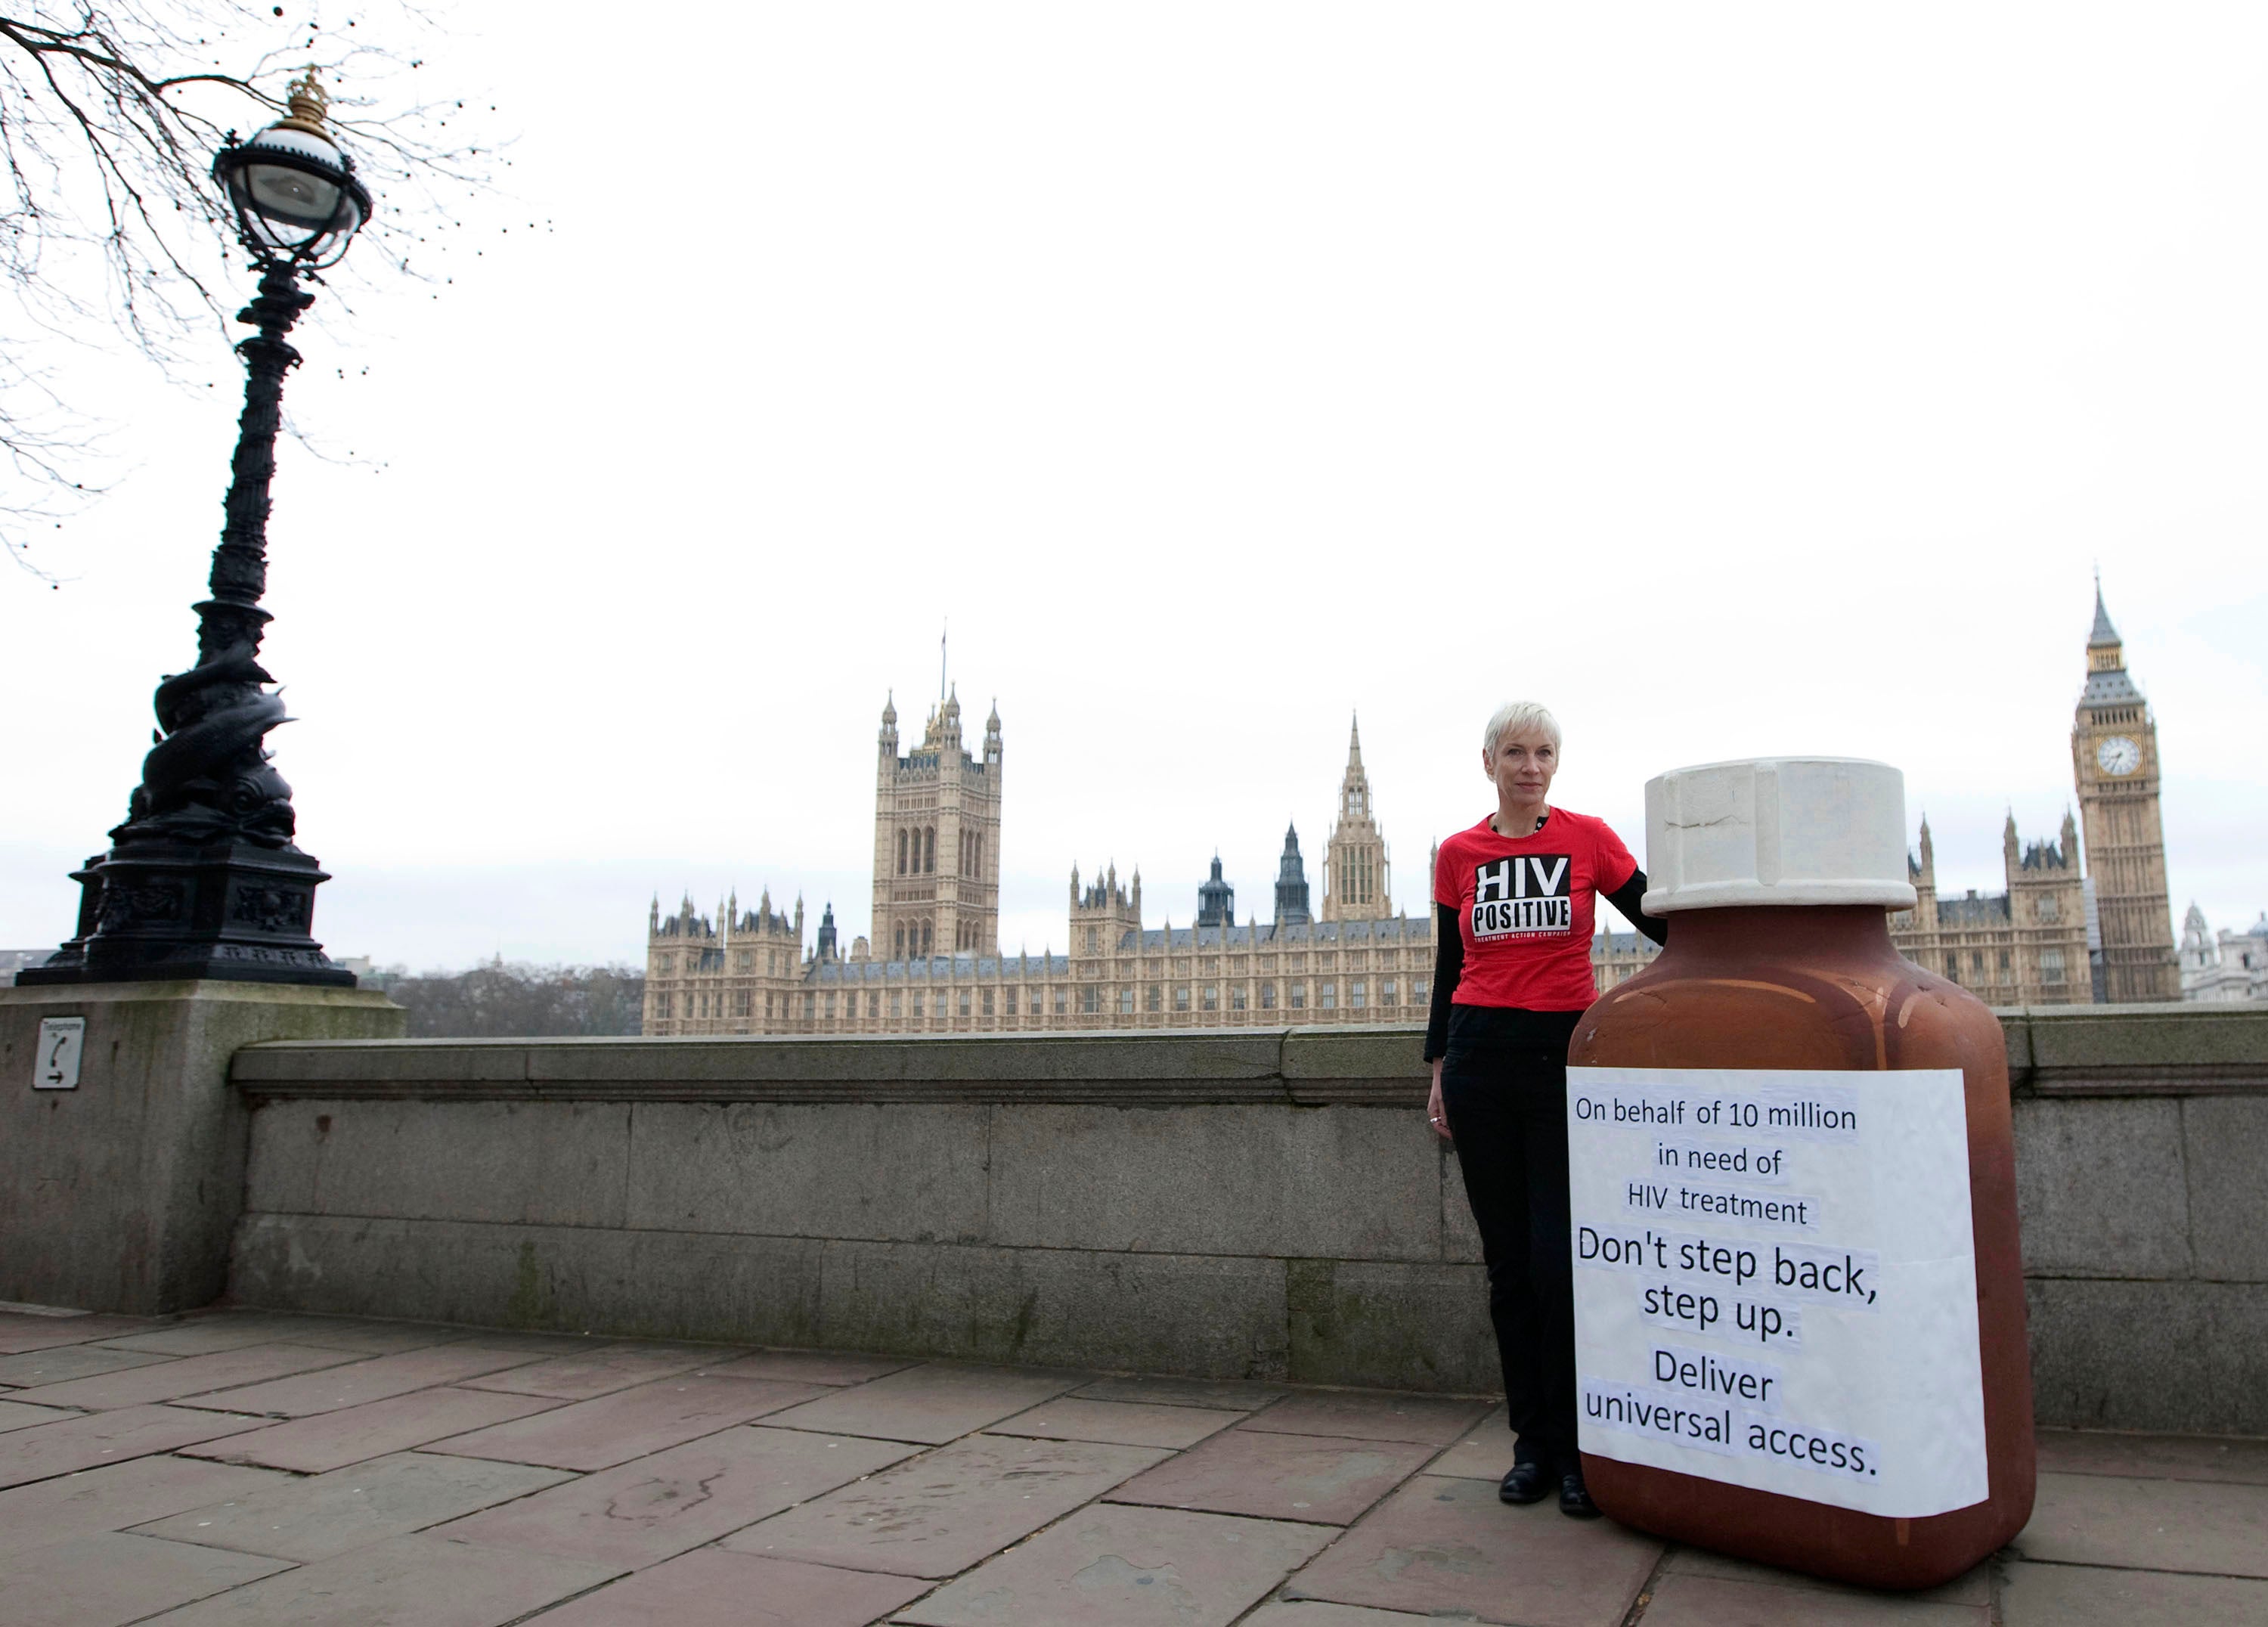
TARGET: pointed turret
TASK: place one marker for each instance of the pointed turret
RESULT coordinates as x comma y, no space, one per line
1216,900
1292,882
2107,681
2104,636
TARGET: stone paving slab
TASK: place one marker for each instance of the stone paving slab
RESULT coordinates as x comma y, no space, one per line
201,1335
658,1507
2076,1595
334,1439
192,1375
1317,1479
809,1366
583,1374
23,1415
410,1581
937,1403
1314,1613
1974,1587
20,1332
1121,1422
116,1496
353,1507
374,1338
1442,1546
108,1578
1690,1601
1128,1567
306,1394
2170,1457
949,1509
613,1429
2150,1525
1483,1452
1226,1394
1371,1414
97,1437
713,1588
539,1344
61,1362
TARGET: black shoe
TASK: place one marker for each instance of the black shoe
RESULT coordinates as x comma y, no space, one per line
1575,1497
1525,1482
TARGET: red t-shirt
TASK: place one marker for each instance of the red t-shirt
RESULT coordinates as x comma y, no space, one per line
1527,909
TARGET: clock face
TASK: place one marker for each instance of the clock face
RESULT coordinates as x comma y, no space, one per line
2118,755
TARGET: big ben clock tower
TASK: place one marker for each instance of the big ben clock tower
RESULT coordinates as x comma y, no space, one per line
2114,753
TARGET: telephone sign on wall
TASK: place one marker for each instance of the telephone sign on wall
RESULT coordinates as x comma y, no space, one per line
56,1066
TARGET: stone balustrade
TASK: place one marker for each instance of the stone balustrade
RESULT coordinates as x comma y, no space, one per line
1265,1203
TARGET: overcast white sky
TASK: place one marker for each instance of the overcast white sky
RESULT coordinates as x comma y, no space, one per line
1734,380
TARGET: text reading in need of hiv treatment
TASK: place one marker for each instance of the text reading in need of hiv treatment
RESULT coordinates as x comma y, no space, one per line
1775,1281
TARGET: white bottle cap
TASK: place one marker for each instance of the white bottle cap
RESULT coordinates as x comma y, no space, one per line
1776,830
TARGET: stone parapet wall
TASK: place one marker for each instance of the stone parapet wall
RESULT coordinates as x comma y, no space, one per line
1264,1203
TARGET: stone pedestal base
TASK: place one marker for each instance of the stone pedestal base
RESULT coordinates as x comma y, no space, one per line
122,1193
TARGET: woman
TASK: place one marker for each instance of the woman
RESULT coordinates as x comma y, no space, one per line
1515,897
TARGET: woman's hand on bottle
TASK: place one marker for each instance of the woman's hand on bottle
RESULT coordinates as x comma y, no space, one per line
1436,1118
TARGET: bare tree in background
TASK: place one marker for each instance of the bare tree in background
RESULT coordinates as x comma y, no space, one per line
111,228
514,1000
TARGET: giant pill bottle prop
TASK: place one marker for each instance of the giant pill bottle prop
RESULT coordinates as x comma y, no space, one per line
1798,1298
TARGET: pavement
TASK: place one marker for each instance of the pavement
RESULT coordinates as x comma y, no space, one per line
245,1467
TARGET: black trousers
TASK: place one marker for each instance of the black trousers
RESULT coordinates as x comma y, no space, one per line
1504,1089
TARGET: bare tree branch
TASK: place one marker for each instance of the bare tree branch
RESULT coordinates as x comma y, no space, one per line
111,228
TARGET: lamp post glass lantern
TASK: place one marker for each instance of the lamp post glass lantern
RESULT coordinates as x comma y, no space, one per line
204,880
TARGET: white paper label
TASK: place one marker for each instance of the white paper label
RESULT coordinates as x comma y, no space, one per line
1776,1281
55,1064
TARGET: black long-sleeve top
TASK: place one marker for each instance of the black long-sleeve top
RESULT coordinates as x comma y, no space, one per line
1449,966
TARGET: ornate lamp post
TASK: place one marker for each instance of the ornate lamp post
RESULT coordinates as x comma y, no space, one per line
203,880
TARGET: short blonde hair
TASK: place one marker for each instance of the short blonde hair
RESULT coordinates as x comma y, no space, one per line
1518,717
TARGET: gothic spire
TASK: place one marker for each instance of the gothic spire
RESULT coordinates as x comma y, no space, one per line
1291,883
2104,634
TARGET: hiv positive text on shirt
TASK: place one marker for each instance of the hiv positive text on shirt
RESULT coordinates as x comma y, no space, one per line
1526,895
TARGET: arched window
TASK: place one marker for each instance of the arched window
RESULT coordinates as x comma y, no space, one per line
925,948
976,855
898,949
901,853
928,846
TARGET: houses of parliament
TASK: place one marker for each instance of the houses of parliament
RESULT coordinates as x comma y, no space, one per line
933,965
